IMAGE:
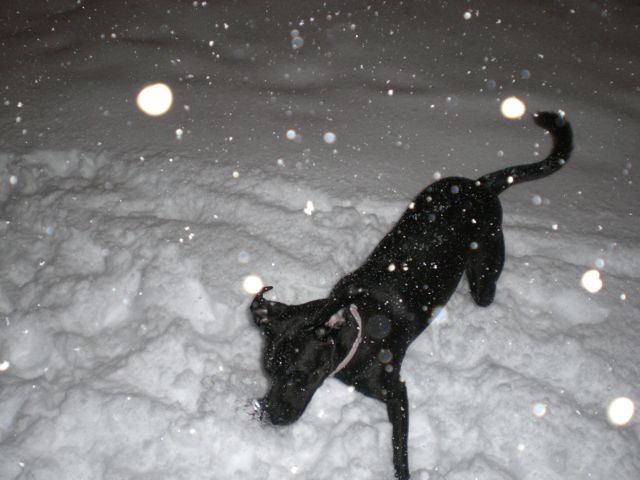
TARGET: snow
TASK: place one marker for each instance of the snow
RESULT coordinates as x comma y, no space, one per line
125,345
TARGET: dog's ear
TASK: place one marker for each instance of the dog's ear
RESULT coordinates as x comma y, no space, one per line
265,311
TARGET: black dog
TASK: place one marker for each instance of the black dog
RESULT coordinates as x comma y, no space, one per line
361,332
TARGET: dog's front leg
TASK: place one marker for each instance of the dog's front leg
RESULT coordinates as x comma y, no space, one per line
398,411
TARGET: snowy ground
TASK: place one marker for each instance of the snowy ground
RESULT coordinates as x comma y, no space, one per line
125,346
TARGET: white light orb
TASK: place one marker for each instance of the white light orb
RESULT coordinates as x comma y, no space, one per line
591,281
512,108
4,366
291,134
155,100
620,411
252,284
309,208
297,42
329,137
539,410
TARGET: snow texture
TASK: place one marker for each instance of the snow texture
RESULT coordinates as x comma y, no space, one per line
126,350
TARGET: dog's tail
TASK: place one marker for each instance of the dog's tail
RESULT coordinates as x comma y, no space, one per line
562,135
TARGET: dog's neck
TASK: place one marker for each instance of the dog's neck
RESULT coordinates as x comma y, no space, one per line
356,343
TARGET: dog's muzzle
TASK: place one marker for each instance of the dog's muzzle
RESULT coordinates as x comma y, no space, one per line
262,412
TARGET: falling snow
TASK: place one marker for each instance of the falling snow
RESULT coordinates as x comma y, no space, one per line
513,108
161,164
155,99
252,284
329,137
591,281
309,208
620,411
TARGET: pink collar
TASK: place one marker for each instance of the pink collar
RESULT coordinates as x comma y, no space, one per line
345,361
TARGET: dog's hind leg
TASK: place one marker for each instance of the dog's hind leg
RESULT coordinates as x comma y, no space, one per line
485,265
398,411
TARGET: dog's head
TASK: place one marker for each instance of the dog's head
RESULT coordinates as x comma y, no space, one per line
299,353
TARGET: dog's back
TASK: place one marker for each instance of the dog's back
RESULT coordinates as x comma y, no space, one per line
453,226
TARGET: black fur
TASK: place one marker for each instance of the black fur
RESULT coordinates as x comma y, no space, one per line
452,227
